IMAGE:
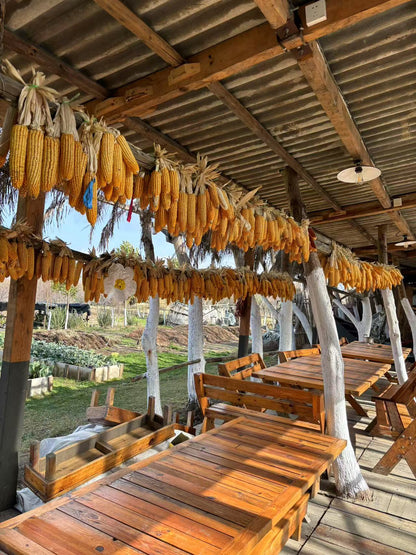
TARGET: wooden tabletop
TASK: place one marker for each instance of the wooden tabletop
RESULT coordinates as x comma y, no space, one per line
306,372
371,351
218,493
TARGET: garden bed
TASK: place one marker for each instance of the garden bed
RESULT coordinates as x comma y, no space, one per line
39,386
81,373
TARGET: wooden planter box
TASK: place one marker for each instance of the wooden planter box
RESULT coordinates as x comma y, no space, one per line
74,465
38,386
82,373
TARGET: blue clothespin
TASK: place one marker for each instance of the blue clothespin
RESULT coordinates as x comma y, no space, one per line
87,198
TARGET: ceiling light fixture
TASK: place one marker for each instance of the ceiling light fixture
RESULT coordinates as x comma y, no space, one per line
358,173
405,243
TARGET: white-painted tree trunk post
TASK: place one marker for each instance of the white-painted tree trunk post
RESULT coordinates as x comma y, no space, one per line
362,326
67,311
112,317
348,478
149,344
195,328
256,331
149,337
391,313
195,347
411,318
286,326
301,316
394,333
125,313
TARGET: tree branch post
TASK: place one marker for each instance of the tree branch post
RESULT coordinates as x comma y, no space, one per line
348,478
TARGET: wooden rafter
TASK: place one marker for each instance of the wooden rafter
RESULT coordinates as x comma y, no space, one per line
319,76
362,210
142,30
276,12
232,56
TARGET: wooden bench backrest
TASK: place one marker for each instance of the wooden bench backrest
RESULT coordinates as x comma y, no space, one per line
406,393
284,356
308,405
241,368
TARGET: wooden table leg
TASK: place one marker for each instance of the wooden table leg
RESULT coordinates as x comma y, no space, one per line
356,406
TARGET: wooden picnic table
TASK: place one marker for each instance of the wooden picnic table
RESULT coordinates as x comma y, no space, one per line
306,372
225,491
374,352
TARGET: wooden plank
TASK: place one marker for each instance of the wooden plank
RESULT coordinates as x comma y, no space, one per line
179,516
350,542
221,525
53,65
275,11
402,507
129,535
15,542
146,524
128,19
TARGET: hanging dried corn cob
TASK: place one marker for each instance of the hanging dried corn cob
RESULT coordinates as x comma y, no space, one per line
69,136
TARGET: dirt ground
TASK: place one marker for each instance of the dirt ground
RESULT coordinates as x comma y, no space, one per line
75,338
178,335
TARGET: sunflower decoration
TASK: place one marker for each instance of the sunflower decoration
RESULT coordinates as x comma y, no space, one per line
119,285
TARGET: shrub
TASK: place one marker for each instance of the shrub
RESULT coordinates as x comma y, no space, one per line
58,317
39,369
104,318
76,321
132,320
56,352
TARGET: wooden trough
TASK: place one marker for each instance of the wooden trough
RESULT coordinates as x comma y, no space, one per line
74,465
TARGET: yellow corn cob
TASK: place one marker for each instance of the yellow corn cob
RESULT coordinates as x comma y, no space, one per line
122,199
174,185
46,265
160,219
92,212
50,164
71,273
172,217
106,156
138,181
38,265
115,196
67,156
155,188
128,191
57,268
191,219
117,166
122,188
18,145
64,269
33,167
4,250
13,257
22,254
108,191
128,157
80,164
78,270
165,194
201,210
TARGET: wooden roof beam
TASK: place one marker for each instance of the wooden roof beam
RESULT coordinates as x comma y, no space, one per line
362,210
277,12
319,76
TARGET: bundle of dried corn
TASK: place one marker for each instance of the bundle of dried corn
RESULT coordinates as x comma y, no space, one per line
27,135
343,266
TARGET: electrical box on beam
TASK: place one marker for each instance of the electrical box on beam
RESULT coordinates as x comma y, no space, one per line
315,13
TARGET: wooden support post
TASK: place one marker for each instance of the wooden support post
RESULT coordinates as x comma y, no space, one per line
16,358
348,477
34,454
391,313
245,312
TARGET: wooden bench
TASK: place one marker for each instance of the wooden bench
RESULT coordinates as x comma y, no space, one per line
284,356
240,397
396,417
241,368
395,408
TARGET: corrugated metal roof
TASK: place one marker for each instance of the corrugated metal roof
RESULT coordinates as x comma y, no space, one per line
374,63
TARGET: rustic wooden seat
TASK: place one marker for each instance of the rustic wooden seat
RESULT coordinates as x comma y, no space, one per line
284,356
241,368
239,398
395,408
